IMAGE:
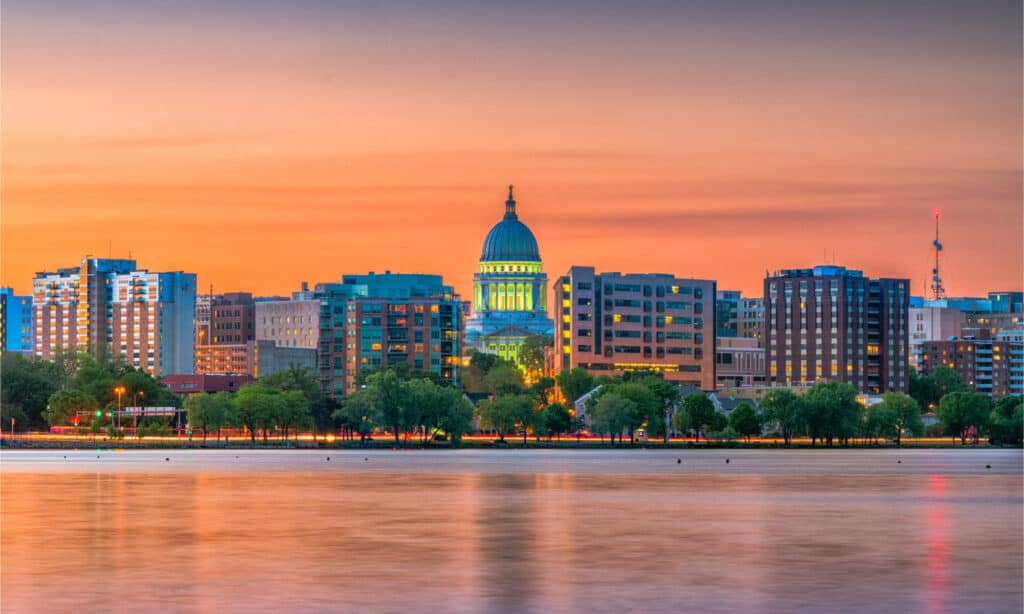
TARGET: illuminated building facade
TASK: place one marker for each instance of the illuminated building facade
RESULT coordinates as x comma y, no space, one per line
146,317
370,322
509,290
994,367
613,323
832,323
224,333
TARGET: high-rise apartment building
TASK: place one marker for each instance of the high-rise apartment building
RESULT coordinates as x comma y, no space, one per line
370,322
832,323
614,323
110,305
15,322
992,366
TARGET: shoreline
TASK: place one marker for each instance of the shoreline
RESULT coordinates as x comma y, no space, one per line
70,444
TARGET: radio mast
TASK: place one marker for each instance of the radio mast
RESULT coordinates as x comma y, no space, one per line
938,291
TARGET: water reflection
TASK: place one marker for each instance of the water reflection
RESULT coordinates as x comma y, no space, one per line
512,533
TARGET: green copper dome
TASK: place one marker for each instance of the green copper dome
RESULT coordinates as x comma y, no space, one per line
510,239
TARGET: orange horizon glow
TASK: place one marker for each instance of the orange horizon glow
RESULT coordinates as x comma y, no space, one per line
263,148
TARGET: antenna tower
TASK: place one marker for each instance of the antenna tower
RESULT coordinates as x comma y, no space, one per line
938,291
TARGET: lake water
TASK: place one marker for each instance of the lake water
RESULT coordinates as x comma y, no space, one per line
512,531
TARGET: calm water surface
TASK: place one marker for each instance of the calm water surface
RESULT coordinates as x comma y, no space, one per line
512,531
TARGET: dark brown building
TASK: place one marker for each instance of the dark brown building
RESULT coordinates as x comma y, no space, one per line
832,323
991,366
225,326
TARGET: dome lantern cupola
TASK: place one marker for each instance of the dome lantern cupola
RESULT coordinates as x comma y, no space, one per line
510,240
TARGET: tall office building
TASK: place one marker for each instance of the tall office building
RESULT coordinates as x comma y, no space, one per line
110,305
15,322
738,316
370,322
832,323
614,323
509,289
224,333
932,324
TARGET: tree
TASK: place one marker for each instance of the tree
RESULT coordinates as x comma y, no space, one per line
531,354
575,383
504,412
647,407
210,412
960,411
253,406
505,380
881,422
64,404
667,394
298,377
785,410
1006,421
701,412
907,413
458,417
26,385
612,414
833,411
356,413
543,391
557,419
682,421
391,398
745,421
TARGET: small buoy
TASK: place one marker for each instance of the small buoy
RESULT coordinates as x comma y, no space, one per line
328,458
988,466
65,457
365,458
727,461
167,458
97,456
898,461
679,461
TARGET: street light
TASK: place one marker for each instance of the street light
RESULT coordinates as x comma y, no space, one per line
135,411
119,390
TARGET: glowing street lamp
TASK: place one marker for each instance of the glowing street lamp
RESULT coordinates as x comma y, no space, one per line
135,412
120,390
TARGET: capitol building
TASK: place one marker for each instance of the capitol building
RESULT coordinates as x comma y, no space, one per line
509,290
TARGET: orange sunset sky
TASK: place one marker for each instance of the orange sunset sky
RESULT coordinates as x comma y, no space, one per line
260,144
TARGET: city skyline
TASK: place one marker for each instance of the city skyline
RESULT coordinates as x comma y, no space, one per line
271,146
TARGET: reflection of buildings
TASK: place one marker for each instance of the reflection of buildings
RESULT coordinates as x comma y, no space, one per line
509,289
832,323
111,305
613,323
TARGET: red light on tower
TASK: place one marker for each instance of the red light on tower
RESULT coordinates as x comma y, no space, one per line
938,212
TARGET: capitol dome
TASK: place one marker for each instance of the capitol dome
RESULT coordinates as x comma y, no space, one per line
510,239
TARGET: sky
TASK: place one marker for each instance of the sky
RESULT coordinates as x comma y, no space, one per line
261,144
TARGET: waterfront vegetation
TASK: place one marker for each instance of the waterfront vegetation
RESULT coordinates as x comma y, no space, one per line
81,394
